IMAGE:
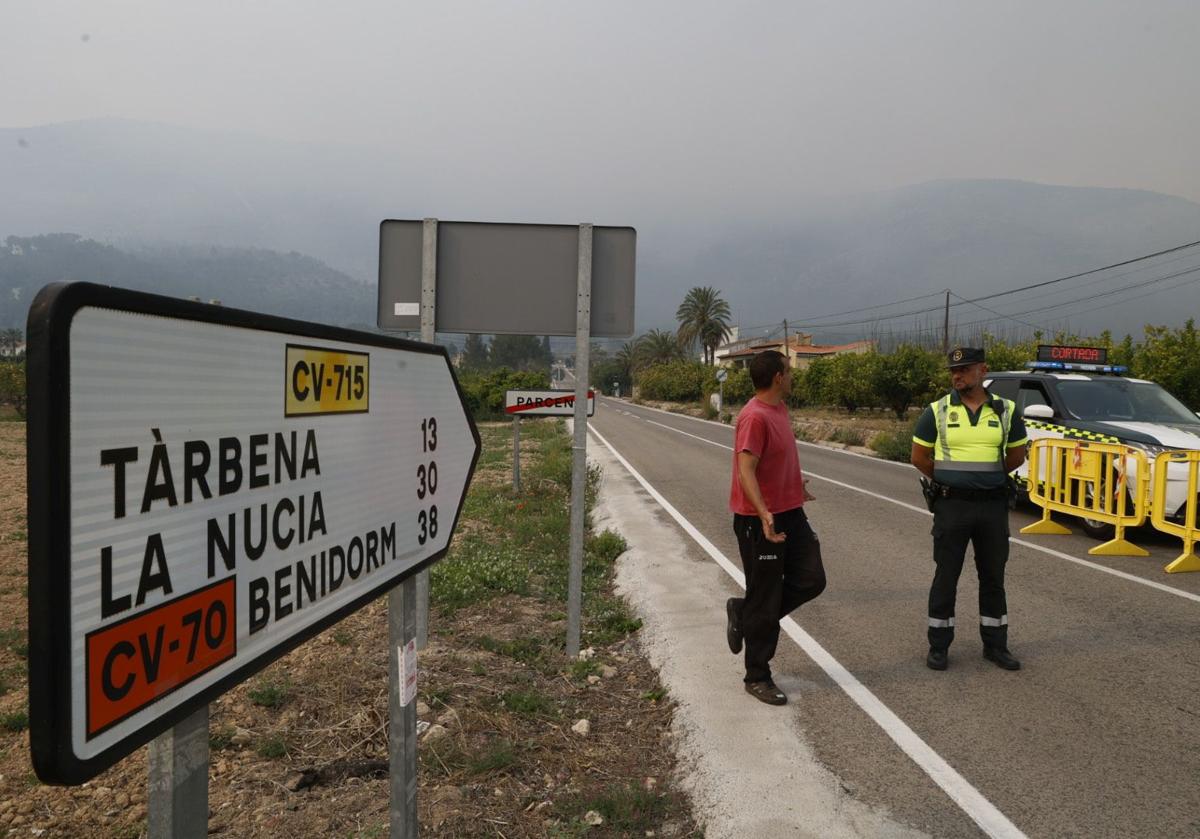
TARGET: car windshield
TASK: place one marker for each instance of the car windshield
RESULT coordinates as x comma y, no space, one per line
1120,400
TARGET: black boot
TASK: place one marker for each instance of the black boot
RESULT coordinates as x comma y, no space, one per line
733,624
936,660
1001,658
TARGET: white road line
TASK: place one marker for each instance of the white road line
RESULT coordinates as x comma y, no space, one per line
970,800
798,442
1095,566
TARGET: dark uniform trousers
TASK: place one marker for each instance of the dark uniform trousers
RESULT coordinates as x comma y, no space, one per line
779,577
983,523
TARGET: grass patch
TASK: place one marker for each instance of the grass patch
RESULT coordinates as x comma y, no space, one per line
16,640
581,668
499,756
14,722
528,650
529,703
895,445
269,694
220,738
609,619
655,694
272,748
628,809
848,436
437,696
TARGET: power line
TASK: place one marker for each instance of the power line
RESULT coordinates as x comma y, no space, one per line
812,322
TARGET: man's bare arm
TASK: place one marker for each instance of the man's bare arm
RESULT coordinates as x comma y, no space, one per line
922,458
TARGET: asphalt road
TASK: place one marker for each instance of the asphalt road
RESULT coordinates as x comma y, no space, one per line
1097,735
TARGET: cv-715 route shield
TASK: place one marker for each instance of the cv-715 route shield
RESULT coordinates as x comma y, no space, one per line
208,488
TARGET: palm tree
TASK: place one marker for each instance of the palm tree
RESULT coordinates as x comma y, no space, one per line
704,318
627,357
658,346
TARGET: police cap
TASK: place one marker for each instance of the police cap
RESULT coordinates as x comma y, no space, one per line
962,356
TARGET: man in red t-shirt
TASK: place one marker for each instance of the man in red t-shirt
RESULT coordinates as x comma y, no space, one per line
780,552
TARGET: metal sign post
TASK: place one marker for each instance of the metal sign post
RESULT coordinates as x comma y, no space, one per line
408,620
429,233
177,792
516,453
583,320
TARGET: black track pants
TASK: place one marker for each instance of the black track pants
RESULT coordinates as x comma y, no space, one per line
984,524
779,577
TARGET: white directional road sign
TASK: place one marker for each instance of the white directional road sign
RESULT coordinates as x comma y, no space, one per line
209,488
544,403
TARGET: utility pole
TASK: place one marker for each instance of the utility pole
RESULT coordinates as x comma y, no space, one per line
786,352
946,326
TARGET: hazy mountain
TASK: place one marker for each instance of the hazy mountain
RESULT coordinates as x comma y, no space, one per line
972,237
131,183
289,284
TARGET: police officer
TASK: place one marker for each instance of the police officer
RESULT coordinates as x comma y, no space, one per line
967,443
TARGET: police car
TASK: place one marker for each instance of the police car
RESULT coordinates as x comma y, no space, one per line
1074,393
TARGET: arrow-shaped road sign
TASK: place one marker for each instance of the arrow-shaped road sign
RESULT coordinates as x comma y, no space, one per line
208,489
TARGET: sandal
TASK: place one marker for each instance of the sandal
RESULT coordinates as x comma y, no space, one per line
766,692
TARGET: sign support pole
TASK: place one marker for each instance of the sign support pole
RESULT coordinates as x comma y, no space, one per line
428,335
402,715
177,794
583,326
408,619
516,453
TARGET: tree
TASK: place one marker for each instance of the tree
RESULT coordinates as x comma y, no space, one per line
518,352
704,319
658,347
849,382
1171,357
9,339
903,377
475,354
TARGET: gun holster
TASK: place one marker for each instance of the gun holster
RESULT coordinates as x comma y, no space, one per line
1013,489
930,490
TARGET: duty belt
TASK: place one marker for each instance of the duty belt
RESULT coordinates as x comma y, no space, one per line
965,494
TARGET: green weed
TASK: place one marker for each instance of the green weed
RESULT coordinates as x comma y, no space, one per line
527,702
14,722
269,693
272,748
500,756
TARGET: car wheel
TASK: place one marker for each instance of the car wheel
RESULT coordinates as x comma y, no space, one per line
1095,528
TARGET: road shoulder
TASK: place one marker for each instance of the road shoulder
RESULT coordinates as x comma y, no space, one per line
747,766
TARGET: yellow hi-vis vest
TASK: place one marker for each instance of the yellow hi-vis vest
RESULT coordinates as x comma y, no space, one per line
962,447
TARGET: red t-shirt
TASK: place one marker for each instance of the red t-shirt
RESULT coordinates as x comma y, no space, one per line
766,431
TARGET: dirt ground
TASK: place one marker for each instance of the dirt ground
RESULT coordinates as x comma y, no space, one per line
301,749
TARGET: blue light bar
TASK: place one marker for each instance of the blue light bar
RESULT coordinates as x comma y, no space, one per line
1117,369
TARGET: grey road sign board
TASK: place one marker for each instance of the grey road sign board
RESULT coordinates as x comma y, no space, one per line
517,279
208,489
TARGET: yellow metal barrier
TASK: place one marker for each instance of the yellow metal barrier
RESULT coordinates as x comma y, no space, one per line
1188,530
1088,479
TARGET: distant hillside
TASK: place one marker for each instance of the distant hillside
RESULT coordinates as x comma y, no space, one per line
973,237
289,284
131,183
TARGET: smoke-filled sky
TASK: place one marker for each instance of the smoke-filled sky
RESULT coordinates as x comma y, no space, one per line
603,107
